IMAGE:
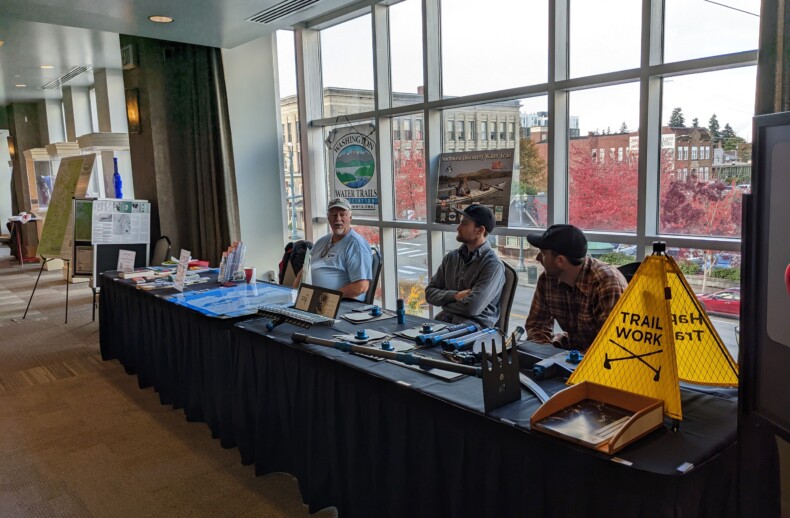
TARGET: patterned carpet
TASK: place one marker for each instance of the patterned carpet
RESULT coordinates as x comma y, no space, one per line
78,438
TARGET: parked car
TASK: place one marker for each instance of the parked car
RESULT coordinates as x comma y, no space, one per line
724,302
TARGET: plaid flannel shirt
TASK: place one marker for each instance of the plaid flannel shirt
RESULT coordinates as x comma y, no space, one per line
580,310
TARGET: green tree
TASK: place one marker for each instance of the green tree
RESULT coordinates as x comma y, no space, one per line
533,173
677,120
713,127
695,123
623,128
730,138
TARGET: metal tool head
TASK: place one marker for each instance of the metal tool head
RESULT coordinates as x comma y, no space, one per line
500,374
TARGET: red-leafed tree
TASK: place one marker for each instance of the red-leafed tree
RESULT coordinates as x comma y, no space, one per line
602,190
410,183
700,208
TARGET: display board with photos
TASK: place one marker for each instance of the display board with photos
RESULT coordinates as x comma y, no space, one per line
483,177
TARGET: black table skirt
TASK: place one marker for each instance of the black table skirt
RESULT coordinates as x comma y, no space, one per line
358,440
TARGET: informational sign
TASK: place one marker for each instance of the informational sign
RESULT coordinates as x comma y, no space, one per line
656,335
72,180
352,166
121,221
482,177
181,272
126,260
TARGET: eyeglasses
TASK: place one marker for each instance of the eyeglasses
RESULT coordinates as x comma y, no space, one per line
326,250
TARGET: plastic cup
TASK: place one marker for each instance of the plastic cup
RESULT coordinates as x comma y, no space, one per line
249,275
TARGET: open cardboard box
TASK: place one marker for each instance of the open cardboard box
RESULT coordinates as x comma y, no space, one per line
598,417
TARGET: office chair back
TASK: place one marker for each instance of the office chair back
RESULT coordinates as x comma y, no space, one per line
628,270
161,251
374,282
506,299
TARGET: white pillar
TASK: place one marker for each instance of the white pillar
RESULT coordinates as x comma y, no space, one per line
253,106
77,105
50,121
111,113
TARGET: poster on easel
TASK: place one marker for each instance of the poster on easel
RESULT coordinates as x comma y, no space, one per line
352,167
72,180
469,177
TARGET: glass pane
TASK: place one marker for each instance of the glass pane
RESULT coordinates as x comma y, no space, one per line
406,52
603,164
699,28
412,263
706,161
529,207
604,36
289,115
715,277
348,83
481,45
517,252
408,163
371,235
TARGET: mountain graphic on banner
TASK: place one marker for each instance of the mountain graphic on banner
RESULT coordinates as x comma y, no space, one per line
656,335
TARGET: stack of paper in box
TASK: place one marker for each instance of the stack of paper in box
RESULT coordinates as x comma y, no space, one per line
104,141
63,149
232,261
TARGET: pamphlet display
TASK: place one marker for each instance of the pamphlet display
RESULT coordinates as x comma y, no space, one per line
469,177
181,272
126,260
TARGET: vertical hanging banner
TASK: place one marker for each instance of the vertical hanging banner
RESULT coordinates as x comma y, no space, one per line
469,177
352,166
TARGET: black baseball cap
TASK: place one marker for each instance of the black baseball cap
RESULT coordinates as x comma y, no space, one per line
565,240
480,214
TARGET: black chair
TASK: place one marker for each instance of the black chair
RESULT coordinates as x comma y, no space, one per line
161,252
628,270
507,296
374,282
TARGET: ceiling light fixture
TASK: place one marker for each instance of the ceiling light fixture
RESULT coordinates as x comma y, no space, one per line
160,19
21,86
47,66
1,43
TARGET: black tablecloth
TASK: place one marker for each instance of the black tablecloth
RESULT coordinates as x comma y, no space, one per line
371,437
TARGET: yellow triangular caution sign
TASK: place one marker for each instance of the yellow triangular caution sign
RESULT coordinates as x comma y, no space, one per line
702,356
635,349
656,334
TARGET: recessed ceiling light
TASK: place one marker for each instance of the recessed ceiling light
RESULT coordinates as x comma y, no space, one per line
1,43
21,86
160,19
47,66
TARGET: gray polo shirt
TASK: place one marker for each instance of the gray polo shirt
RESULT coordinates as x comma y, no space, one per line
482,272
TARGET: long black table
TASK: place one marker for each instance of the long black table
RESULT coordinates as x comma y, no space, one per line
371,437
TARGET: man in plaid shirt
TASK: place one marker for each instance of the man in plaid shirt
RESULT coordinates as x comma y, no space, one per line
575,290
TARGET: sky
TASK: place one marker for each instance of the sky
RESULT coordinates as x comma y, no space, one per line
506,45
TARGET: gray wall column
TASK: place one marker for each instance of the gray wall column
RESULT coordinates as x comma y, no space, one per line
253,106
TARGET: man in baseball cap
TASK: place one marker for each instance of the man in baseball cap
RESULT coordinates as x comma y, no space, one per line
341,260
577,291
468,283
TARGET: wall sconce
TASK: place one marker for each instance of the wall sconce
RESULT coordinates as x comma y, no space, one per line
11,147
133,109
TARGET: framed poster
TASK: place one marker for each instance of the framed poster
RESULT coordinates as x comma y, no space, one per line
765,280
351,154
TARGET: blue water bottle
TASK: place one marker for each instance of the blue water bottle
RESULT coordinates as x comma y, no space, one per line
116,180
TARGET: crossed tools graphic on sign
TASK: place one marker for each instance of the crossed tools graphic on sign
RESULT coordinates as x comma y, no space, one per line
607,362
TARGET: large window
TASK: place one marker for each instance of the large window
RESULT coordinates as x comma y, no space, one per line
701,193
602,190
289,114
493,47
627,148
348,83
